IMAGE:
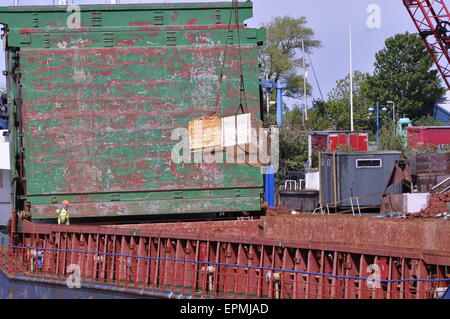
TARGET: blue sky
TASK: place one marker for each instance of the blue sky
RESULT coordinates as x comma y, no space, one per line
330,20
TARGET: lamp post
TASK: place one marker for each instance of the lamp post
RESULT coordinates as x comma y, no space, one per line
269,189
393,109
377,110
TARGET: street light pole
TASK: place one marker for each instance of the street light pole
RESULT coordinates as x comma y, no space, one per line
377,110
393,109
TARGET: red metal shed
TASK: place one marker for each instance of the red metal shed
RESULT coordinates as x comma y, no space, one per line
331,140
428,135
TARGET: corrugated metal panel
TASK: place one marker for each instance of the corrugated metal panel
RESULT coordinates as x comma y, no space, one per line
99,104
304,257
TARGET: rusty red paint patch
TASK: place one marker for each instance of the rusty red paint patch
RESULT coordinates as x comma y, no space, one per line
192,21
191,37
43,78
149,29
30,30
138,23
208,27
125,43
53,68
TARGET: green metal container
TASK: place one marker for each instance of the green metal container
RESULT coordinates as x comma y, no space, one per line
94,106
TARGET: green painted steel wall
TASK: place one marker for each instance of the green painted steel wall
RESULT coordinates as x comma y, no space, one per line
95,107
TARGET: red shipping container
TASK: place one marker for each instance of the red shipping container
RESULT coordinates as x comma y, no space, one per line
358,141
363,142
353,141
319,141
427,136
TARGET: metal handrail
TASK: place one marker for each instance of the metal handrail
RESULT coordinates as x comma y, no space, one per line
440,184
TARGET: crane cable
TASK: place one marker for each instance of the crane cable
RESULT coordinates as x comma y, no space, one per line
219,90
242,91
315,76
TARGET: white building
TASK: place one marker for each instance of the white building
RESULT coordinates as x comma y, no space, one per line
5,187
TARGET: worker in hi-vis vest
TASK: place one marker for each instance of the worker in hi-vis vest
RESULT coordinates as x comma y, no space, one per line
63,214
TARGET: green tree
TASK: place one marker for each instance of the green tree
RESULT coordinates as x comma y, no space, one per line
281,55
293,151
427,121
389,140
403,74
293,118
336,110
318,117
293,143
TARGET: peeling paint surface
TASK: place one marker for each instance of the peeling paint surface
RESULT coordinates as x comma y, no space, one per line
97,107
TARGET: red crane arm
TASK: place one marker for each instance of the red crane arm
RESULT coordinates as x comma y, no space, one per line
432,20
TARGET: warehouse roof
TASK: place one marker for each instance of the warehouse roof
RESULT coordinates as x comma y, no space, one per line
444,103
365,153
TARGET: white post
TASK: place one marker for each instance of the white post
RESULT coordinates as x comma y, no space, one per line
352,128
305,76
16,2
393,111
310,151
267,97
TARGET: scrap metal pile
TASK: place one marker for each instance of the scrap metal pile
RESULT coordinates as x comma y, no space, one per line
437,207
